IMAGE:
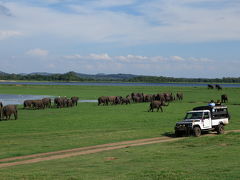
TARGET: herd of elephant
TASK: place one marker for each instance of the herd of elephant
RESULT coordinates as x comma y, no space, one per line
217,86
224,97
59,102
157,100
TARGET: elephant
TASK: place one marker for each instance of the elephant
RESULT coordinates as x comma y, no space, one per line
8,110
148,97
65,101
179,96
157,105
112,99
60,102
1,106
210,86
218,87
70,103
159,97
137,95
56,101
137,99
46,102
125,101
75,100
168,97
224,98
103,100
129,97
27,104
38,104
133,94
154,97
118,99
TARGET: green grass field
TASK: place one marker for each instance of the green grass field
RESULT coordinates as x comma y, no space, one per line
88,124
208,158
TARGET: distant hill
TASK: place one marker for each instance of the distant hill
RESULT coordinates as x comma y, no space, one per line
100,76
40,73
107,76
69,76
3,73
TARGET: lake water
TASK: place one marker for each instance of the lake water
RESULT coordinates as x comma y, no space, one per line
18,99
117,84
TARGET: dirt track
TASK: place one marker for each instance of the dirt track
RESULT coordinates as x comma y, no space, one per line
28,159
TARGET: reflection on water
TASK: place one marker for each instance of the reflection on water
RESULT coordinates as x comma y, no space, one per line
19,99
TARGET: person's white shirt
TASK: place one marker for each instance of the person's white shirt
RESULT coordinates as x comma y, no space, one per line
211,104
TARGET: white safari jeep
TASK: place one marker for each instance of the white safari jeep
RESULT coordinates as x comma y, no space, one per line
203,118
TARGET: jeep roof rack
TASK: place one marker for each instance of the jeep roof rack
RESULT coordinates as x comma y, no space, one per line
208,107
203,108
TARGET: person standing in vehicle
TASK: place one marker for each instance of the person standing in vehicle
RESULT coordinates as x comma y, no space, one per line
212,103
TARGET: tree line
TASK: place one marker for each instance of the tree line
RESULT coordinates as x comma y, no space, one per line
72,76
37,77
155,79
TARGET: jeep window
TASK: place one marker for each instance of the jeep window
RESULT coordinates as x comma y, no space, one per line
206,115
194,115
220,113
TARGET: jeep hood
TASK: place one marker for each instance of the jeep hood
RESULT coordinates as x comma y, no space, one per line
187,121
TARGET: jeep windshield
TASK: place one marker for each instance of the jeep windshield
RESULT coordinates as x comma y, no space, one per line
194,115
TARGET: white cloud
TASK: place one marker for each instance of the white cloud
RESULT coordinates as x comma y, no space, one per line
112,3
8,34
92,56
101,25
75,56
149,65
99,56
53,1
51,66
131,58
188,21
135,59
37,52
160,21
177,58
4,11
200,59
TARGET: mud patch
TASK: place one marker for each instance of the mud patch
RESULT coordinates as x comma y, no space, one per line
110,158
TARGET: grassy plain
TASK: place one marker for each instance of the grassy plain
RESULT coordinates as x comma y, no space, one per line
88,124
208,158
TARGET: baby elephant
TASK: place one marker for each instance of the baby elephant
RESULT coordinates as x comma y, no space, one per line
8,110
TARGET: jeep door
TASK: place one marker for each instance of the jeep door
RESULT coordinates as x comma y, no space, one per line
207,123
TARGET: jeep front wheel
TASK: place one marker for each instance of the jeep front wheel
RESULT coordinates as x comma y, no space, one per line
178,133
197,131
220,129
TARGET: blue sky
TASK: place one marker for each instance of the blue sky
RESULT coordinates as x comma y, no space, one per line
187,38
